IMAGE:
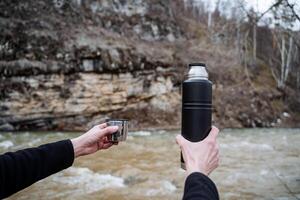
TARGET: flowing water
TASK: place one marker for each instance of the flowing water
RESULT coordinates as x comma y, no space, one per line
255,164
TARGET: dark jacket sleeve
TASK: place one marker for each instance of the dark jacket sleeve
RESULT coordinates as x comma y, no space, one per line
25,167
198,187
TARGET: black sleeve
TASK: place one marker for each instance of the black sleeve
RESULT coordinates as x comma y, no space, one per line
23,168
198,187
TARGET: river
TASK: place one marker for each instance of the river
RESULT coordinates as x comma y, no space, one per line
255,164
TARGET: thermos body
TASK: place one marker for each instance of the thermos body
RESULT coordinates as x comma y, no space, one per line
196,109
196,105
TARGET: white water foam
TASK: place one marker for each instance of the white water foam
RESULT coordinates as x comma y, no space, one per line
161,132
87,180
166,187
34,142
140,133
264,172
6,144
247,145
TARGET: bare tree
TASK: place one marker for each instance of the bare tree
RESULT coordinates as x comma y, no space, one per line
284,35
253,18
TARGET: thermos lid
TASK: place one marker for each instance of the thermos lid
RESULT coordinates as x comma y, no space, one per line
197,71
197,64
123,120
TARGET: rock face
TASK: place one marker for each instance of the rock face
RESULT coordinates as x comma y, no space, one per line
69,64
73,101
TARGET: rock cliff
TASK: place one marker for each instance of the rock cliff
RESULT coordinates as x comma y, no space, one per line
69,64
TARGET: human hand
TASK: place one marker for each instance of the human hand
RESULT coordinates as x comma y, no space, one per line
93,140
200,156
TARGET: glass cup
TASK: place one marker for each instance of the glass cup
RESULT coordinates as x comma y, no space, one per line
121,134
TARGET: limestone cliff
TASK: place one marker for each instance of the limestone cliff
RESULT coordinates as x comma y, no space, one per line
69,64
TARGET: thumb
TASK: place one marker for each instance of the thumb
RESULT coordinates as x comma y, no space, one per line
108,130
180,140
213,134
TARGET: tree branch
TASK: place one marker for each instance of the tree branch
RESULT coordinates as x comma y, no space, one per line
261,15
291,6
270,8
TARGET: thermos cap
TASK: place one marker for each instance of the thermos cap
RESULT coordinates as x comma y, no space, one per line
197,71
197,64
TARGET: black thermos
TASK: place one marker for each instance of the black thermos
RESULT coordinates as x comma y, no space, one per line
196,105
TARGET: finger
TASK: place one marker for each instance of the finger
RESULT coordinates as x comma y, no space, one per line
214,154
107,131
214,163
102,125
213,134
107,145
218,160
105,140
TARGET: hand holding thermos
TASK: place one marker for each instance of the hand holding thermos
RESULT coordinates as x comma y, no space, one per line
196,105
200,156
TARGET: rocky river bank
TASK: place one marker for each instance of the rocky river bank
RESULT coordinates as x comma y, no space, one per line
66,65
